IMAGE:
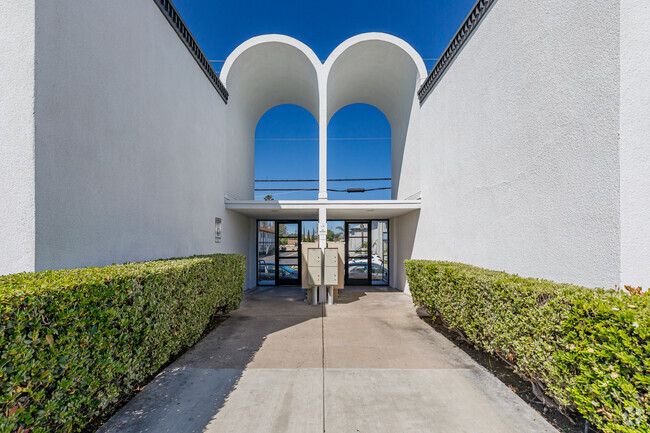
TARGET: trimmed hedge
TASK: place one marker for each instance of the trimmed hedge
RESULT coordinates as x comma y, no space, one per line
586,349
75,343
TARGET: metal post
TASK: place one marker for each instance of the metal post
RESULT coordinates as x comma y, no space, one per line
314,295
322,243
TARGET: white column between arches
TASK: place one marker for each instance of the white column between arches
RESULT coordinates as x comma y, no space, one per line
322,137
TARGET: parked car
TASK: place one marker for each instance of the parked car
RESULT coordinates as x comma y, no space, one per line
288,273
266,272
359,271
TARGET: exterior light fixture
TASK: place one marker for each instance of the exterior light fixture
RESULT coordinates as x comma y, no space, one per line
217,230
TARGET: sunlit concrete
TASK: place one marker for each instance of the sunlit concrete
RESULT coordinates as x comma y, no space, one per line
368,364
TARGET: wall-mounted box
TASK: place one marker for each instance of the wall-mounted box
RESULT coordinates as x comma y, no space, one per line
217,230
314,267
331,277
331,257
314,257
314,276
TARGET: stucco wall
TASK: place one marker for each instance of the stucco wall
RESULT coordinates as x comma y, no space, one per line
519,150
635,143
135,149
116,147
16,136
403,231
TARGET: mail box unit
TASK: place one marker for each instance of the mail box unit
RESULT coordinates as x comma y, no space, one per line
331,277
314,267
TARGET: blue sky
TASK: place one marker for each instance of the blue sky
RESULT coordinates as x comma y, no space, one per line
286,147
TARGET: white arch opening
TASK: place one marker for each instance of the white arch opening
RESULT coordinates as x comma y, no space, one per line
372,68
383,71
272,70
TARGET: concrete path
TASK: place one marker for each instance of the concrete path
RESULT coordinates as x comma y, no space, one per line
368,364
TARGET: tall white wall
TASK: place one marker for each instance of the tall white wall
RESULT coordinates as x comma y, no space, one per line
519,151
17,40
635,143
134,147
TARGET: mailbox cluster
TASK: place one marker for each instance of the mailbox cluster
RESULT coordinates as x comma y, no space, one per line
323,268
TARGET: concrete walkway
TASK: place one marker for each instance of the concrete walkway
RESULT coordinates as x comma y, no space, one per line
368,364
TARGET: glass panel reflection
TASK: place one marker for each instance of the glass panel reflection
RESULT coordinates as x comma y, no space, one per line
379,252
288,269
266,251
289,250
357,252
335,231
358,270
357,240
309,231
288,230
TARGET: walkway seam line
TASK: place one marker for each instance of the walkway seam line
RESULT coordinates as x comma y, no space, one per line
322,322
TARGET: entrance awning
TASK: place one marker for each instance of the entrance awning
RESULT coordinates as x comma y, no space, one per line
336,209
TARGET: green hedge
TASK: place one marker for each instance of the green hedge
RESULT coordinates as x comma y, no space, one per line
76,343
586,349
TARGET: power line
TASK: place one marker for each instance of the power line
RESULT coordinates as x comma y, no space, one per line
349,190
329,180
354,190
277,194
285,189
223,61
329,139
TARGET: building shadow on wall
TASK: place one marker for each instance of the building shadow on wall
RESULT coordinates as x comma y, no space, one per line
407,227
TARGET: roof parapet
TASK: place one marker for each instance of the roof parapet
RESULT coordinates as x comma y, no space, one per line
478,12
171,13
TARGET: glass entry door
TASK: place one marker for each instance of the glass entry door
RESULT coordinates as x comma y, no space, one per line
279,245
357,260
379,252
288,258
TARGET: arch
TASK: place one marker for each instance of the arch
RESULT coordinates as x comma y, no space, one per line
372,68
376,69
383,71
279,158
370,158
270,70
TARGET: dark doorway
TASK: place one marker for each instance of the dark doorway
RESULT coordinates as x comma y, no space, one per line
278,253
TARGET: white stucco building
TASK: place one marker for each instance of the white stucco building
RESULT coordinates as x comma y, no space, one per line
526,149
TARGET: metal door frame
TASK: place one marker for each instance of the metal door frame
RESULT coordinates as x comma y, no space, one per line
358,282
278,280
